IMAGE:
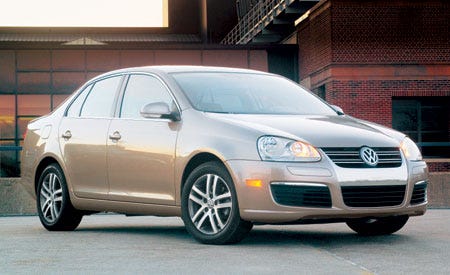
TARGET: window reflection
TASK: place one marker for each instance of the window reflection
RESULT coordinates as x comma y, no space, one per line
74,109
58,99
22,124
142,90
7,116
99,102
33,105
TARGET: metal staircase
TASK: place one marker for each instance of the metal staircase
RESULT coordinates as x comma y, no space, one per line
268,21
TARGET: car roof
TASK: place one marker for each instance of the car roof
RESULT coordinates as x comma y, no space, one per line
180,69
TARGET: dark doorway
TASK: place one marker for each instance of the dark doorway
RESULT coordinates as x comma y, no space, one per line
284,61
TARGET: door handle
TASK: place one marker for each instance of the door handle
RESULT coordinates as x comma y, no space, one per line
115,136
67,135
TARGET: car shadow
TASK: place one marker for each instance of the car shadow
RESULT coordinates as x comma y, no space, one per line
260,236
269,237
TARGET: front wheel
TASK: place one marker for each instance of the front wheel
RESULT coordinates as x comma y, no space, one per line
53,202
210,208
377,226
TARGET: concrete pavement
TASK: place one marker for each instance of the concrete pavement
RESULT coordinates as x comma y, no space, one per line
125,245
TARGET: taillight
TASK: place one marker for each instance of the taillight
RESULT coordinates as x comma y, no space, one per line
25,134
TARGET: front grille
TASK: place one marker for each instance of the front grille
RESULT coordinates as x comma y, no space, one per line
373,196
348,157
298,195
419,194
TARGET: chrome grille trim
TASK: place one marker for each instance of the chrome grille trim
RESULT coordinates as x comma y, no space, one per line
349,157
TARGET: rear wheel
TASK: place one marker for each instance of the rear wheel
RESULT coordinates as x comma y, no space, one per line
378,226
210,208
53,202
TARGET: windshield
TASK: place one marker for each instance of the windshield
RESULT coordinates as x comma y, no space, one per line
246,93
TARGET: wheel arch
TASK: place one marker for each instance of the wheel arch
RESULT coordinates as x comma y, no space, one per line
235,229
197,160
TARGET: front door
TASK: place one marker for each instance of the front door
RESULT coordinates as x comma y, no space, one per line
141,152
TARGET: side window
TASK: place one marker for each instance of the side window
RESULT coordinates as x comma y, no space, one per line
142,90
99,102
74,109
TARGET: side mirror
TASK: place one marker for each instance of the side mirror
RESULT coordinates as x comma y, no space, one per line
159,110
337,109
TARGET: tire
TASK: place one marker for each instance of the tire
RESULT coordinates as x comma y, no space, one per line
53,202
209,206
377,226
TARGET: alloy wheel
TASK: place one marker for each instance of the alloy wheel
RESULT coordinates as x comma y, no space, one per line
51,197
210,204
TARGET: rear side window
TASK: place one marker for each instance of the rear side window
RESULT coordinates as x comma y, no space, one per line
140,91
99,102
74,109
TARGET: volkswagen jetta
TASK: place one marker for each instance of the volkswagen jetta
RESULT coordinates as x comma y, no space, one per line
222,148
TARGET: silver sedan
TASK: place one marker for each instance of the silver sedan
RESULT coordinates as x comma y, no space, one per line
222,148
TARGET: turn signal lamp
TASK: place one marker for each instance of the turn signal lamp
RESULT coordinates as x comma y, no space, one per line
253,182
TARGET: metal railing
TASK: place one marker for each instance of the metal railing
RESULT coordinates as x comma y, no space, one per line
10,148
255,19
243,6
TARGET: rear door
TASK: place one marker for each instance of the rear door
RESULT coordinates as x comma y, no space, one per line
141,151
83,134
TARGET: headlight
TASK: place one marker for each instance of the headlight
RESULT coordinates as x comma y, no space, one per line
410,149
282,149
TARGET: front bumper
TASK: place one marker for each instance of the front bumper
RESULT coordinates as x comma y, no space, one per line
257,204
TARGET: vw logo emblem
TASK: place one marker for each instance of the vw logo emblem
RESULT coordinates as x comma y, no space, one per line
369,156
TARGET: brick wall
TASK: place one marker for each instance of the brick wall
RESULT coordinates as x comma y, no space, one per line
372,99
390,32
351,32
314,39
439,166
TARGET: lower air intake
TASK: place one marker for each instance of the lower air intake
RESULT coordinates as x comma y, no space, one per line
373,196
419,194
301,196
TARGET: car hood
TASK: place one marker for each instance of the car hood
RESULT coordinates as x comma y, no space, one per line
320,131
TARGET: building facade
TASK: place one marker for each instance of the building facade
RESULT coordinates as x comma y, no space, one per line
384,61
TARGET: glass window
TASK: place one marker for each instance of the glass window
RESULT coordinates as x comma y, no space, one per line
425,120
58,99
322,92
142,90
33,105
7,116
75,107
99,102
245,93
